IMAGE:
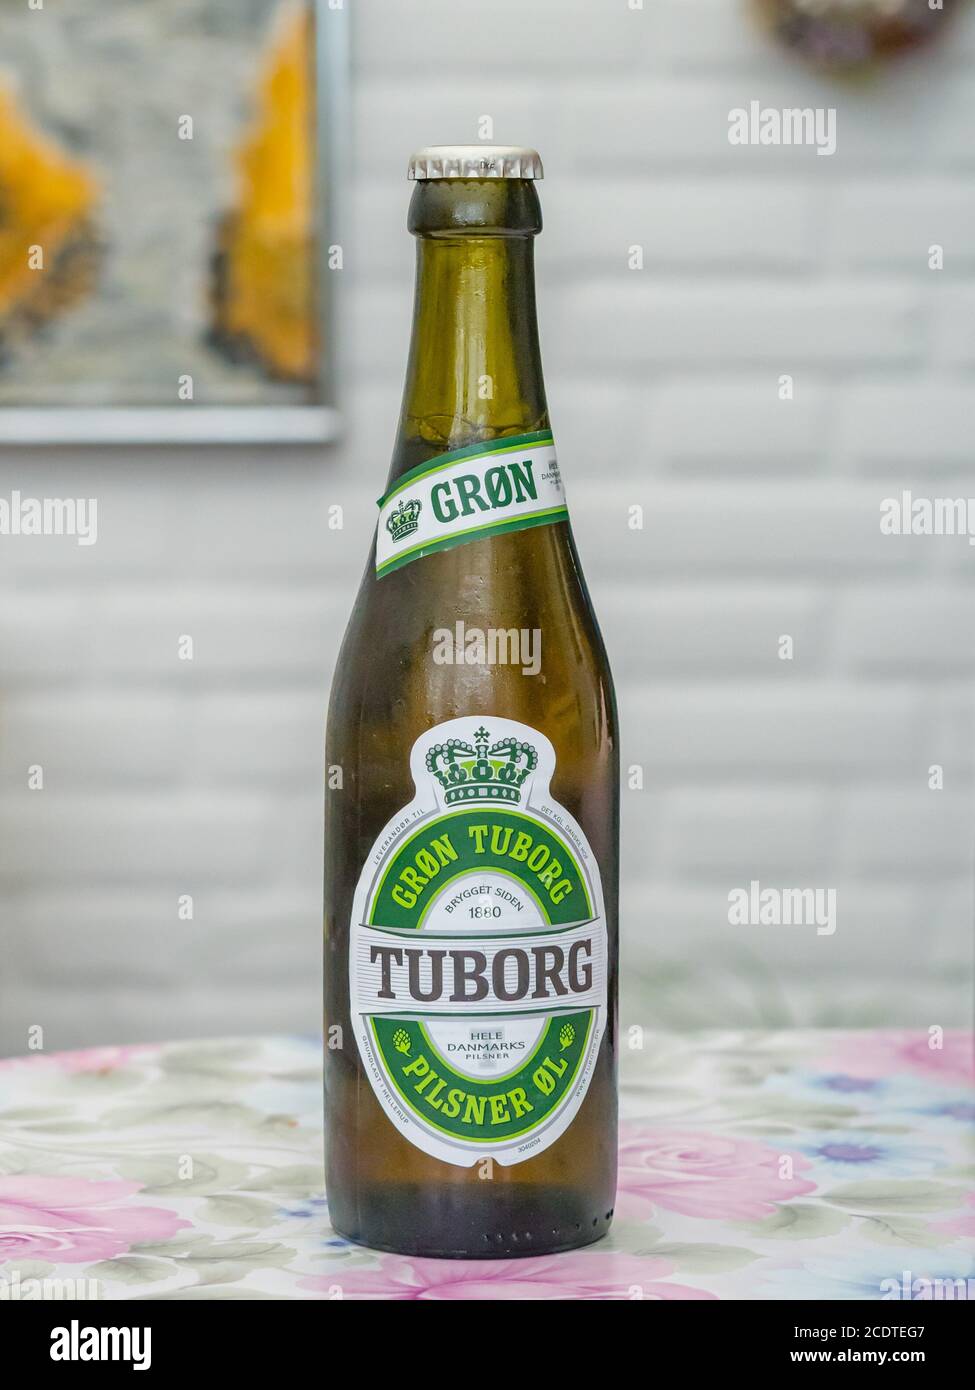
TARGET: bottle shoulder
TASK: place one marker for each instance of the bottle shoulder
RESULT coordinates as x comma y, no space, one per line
503,624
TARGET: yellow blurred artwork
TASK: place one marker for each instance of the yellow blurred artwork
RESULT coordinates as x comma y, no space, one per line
49,249
263,298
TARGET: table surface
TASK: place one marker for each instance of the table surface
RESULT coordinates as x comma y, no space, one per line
753,1165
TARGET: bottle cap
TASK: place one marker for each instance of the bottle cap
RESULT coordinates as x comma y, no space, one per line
475,162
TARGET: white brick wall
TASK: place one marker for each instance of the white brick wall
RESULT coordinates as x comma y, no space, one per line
164,777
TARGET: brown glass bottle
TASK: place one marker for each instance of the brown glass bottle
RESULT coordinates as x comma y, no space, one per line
471,899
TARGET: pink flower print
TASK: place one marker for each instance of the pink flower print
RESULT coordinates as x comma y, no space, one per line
709,1175
75,1220
573,1275
89,1059
890,1052
962,1225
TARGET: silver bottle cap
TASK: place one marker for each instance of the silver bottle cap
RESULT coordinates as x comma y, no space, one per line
475,162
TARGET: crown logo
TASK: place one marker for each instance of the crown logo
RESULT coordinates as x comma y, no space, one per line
482,772
404,519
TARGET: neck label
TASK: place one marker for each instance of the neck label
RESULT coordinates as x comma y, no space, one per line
507,485
478,955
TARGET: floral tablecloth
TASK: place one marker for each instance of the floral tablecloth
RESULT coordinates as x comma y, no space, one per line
758,1166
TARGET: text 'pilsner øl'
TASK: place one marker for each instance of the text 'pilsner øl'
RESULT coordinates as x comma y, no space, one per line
471,847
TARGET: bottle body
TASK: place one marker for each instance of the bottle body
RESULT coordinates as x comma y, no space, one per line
471,850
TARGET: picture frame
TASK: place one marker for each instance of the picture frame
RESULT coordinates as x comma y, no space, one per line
238,392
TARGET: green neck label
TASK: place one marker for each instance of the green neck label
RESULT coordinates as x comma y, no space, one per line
477,966
508,485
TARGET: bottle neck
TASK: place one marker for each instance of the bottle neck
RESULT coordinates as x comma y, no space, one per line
474,371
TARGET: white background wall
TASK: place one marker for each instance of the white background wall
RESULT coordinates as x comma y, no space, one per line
164,777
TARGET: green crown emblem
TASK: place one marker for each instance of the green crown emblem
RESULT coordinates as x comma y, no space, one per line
404,519
481,772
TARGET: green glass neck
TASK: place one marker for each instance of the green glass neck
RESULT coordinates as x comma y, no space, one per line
474,371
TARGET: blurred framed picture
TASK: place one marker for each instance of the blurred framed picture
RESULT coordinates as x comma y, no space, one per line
170,173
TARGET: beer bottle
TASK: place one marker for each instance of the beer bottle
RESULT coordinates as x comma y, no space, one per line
471,824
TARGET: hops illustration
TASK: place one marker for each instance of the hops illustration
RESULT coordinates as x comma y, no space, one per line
567,1036
401,1040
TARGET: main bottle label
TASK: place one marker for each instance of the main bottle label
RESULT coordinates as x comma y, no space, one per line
477,966
507,485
